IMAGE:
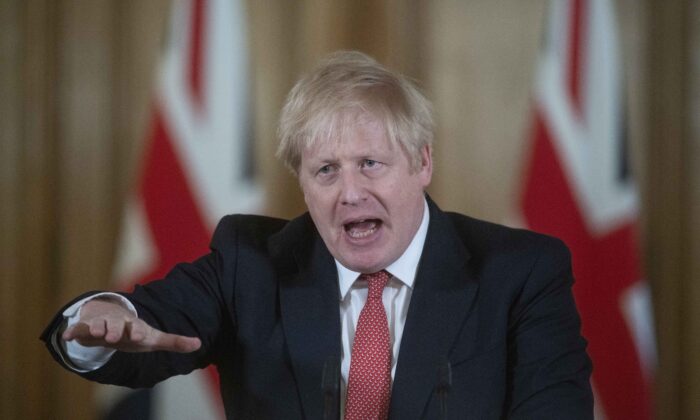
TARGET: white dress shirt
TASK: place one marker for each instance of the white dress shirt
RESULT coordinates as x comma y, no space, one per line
396,298
353,295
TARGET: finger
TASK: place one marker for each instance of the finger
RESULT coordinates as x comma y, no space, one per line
76,330
93,342
115,330
187,344
177,343
97,327
136,331
80,332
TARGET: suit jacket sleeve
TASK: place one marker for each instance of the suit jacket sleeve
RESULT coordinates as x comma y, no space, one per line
548,366
191,300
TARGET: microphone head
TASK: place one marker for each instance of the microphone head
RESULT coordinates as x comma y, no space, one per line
444,379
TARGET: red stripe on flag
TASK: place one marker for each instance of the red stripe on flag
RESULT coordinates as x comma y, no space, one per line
176,224
196,53
604,268
575,53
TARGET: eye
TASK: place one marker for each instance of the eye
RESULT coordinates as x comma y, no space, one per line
369,163
326,170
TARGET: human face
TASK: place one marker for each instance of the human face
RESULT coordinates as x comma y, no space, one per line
364,197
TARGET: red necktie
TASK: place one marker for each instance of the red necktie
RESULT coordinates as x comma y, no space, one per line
369,382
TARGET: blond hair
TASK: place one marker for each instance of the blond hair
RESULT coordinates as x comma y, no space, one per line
345,86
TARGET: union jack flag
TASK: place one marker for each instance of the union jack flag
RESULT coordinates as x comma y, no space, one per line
578,186
196,168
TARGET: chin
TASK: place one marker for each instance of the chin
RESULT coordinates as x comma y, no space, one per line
364,266
367,259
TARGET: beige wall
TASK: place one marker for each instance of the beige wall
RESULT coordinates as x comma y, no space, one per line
481,62
75,78
75,82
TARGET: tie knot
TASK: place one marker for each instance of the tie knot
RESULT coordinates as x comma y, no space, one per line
376,283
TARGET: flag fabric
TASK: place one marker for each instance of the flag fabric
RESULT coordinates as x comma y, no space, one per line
578,187
196,168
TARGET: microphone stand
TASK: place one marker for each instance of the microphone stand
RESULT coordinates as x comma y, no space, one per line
330,385
443,386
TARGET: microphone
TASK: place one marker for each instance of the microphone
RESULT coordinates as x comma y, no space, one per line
330,385
444,384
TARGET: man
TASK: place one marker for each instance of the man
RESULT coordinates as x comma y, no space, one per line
430,314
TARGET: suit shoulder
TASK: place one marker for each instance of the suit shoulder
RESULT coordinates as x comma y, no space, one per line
483,237
515,264
251,229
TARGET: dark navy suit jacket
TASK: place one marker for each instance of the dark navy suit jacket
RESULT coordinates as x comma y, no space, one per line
496,302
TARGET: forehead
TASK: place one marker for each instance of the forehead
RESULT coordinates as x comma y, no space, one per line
349,135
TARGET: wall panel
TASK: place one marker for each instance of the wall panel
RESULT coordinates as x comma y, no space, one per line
693,206
37,198
10,105
667,206
480,69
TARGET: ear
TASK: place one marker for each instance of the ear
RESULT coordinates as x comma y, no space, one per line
425,171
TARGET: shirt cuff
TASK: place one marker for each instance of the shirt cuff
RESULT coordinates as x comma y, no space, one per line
76,356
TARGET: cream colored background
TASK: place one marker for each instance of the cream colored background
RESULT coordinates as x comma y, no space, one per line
75,84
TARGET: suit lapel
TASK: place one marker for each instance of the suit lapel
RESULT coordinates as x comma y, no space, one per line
309,302
443,294
442,297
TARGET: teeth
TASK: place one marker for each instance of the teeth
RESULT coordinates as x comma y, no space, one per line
356,233
362,234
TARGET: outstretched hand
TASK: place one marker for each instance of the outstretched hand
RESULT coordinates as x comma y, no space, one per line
108,324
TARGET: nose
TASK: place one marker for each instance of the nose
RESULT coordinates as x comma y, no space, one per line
353,189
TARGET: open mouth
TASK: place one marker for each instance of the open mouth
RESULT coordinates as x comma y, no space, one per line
362,228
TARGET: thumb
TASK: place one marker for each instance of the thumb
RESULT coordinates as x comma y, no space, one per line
176,343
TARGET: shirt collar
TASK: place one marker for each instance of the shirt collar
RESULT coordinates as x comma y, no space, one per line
403,269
